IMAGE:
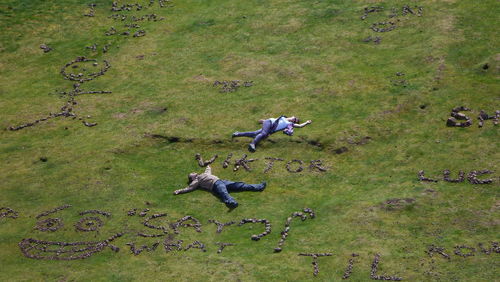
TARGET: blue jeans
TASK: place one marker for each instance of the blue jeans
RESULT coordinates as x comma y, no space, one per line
260,134
222,188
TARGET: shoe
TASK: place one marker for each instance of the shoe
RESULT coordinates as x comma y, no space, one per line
232,205
262,186
251,147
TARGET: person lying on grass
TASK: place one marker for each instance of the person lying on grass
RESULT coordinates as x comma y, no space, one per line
270,126
219,187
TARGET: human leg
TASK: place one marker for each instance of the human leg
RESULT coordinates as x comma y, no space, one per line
251,134
242,186
220,190
265,131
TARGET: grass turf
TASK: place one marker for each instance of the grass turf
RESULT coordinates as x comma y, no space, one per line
306,58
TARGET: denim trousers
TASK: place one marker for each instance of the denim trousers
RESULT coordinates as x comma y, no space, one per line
222,188
260,134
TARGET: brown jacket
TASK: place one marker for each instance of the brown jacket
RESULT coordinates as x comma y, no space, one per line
204,180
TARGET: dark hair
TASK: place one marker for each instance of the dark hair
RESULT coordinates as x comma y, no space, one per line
297,120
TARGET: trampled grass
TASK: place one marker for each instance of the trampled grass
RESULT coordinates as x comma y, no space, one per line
305,58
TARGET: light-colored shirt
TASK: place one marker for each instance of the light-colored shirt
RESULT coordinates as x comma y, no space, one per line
282,123
204,180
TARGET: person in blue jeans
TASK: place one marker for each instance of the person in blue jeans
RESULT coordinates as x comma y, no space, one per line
219,187
270,126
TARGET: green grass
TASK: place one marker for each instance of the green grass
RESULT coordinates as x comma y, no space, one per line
306,58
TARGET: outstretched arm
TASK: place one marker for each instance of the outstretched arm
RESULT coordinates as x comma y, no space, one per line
208,170
188,189
302,124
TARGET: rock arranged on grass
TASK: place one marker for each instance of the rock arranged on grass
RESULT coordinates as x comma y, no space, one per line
284,233
92,47
495,248
110,31
227,161
137,251
169,245
422,177
54,210
222,246
204,163
132,212
267,224
144,212
105,48
369,10
397,204
317,164
45,48
87,224
348,270
483,116
181,223
405,10
453,121
91,12
472,177
140,234
446,176
196,245
270,164
221,225
435,249
299,169
243,162
315,260
147,223
375,39
8,213
49,225
232,85
140,33
373,272
39,249
107,214
383,26
458,251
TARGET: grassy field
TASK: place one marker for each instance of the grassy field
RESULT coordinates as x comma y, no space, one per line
306,58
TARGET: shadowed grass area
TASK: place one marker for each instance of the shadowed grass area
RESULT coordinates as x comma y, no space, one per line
305,58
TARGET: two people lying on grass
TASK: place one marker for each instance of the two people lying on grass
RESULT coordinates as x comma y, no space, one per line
270,126
219,187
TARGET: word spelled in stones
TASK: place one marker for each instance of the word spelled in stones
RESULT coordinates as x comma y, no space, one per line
267,224
373,272
204,163
137,251
284,233
8,213
221,225
231,86
472,177
315,260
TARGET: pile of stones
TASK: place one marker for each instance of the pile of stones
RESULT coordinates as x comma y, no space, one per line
35,249
232,85
483,116
373,272
169,245
8,213
45,48
204,163
266,223
221,225
270,164
315,260
284,233
137,251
